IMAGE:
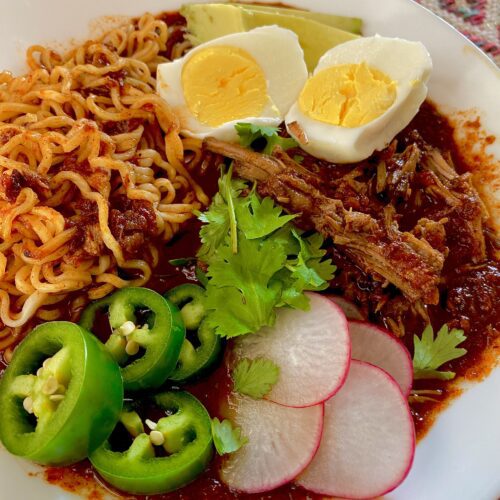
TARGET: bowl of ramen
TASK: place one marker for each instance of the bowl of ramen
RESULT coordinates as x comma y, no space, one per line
247,251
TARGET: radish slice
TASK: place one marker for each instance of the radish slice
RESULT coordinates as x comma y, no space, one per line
312,350
350,310
282,442
368,440
382,349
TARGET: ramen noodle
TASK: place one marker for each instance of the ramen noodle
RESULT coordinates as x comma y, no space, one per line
93,174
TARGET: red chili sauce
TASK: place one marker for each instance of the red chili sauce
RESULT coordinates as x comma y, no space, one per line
468,288
482,334
472,290
212,391
468,293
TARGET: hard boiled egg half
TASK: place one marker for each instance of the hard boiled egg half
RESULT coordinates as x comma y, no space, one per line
253,77
360,95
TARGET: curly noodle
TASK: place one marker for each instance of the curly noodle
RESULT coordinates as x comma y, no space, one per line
93,173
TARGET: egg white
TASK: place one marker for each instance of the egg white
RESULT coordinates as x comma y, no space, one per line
279,55
407,63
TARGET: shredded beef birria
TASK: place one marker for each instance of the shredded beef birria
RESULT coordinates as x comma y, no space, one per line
359,209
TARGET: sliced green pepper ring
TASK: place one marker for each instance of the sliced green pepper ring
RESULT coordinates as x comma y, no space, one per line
185,439
194,361
60,397
147,353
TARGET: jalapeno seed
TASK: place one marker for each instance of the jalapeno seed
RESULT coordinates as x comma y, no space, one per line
132,348
156,438
152,425
28,404
50,387
56,397
127,328
51,380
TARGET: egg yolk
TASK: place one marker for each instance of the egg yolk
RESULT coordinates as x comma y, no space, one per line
348,95
223,83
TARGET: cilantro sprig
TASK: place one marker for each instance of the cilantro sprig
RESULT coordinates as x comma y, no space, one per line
249,134
227,438
257,260
255,377
219,218
432,352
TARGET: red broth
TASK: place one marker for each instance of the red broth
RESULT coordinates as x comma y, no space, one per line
482,334
482,338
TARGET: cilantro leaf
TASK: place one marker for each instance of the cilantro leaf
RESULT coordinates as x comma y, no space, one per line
308,270
249,133
218,217
432,352
292,293
227,439
325,269
231,315
256,377
306,275
312,245
283,142
312,255
215,229
260,218
240,294
256,260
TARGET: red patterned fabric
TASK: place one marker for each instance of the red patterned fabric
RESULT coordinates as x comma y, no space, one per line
477,19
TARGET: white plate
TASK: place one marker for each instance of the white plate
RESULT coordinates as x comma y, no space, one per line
460,457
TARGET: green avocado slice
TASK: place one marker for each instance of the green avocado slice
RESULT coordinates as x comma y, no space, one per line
351,24
208,21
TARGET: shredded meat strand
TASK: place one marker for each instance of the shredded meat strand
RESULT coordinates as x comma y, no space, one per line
377,246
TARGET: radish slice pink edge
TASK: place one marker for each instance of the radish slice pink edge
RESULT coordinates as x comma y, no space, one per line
381,348
368,439
282,441
312,349
350,310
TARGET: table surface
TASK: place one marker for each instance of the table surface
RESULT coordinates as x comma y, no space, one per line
477,19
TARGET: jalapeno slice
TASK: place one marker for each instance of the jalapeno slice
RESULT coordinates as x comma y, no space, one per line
184,437
60,397
194,361
147,352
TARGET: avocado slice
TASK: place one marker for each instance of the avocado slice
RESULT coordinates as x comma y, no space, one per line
208,21
351,24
